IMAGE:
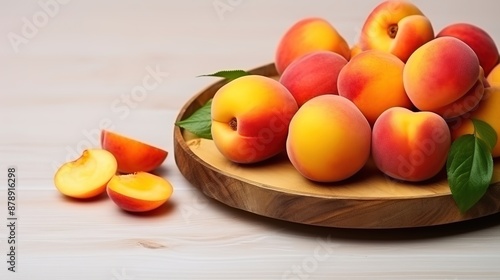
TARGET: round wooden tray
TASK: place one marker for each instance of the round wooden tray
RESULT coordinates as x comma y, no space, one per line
275,189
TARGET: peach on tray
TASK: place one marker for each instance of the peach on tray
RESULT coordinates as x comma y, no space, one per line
132,155
373,80
397,27
312,75
329,139
250,118
86,176
306,36
139,192
440,73
410,146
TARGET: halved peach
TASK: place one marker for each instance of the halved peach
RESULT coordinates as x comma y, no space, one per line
86,176
139,192
132,155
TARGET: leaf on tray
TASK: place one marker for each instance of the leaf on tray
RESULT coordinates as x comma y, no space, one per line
200,122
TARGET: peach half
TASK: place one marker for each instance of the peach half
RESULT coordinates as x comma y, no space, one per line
86,176
132,155
139,192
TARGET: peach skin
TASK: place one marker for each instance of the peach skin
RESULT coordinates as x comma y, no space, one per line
139,192
410,146
440,72
312,75
397,27
493,77
306,36
250,118
329,139
478,39
132,155
487,111
373,80
86,176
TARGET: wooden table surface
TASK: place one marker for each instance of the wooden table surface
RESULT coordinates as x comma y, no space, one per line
70,68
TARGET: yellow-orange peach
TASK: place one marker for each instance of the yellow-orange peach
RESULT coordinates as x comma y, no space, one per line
440,72
308,35
478,39
329,139
139,192
488,111
373,80
86,176
312,75
397,27
410,146
355,50
250,118
493,77
132,155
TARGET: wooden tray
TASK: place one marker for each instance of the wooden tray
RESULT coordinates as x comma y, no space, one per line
275,189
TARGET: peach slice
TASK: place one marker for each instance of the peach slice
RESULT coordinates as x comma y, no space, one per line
132,155
86,176
139,192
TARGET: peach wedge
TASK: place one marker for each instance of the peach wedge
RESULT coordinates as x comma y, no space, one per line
86,176
139,192
132,155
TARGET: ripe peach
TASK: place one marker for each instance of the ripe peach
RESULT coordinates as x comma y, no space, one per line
397,27
355,50
308,35
329,139
493,77
487,111
139,192
373,80
464,104
312,75
86,176
410,146
132,155
250,118
478,39
440,72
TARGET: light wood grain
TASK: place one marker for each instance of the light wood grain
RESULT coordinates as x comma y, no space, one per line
64,81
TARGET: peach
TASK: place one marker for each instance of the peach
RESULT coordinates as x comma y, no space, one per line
132,155
493,77
373,80
478,39
312,75
329,139
440,72
355,50
139,192
464,104
250,118
410,146
308,35
397,27
487,111
86,176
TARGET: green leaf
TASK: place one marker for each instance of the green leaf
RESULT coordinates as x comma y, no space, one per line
228,74
470,169
200,122
485,132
